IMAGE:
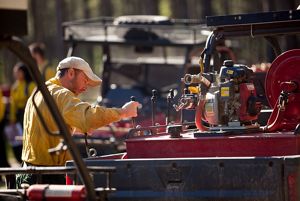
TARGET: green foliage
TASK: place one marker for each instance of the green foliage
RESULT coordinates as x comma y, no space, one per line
164,8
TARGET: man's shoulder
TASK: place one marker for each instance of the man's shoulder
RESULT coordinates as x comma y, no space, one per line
56,89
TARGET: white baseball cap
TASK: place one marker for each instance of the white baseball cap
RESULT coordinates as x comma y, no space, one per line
80,64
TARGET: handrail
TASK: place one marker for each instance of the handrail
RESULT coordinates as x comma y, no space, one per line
52,170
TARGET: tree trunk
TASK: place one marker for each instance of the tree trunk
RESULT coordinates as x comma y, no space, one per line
88,49
137,7
106,8
59,32
149,7
179,9
37,19
206,9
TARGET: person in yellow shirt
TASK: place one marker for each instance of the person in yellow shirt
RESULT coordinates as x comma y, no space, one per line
3,153
37,51
20,92
73,77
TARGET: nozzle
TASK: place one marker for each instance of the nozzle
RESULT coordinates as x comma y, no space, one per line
195,79
191,79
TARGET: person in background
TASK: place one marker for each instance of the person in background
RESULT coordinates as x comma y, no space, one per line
20,92
73,77
3,152
3,156
37,51
3,140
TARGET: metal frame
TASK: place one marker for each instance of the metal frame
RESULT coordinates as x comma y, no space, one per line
268,25
19,49
105,23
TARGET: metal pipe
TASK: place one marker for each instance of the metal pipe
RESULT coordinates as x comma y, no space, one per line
52,170
169,104
185,91
153,101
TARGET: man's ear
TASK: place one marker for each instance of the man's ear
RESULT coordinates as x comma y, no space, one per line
71,72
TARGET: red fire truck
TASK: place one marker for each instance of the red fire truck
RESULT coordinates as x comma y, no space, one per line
226,153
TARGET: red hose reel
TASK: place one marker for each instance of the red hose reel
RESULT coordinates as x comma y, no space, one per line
282,86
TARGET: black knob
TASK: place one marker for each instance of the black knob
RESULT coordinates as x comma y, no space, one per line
132,98
171,93
154,92
228,63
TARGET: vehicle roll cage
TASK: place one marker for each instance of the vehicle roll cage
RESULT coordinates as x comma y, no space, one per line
185,33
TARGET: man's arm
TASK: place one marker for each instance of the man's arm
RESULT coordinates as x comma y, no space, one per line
84,116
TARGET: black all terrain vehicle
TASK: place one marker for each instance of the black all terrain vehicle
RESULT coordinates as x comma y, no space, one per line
144,57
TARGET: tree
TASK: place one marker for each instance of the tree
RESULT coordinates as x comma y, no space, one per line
137,7
106,8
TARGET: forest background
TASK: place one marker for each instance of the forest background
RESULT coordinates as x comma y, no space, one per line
45,20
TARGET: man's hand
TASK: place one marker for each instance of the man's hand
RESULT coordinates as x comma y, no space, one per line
129,109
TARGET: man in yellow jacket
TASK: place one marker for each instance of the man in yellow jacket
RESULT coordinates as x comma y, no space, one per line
73,77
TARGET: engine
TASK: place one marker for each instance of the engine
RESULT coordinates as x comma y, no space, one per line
224,101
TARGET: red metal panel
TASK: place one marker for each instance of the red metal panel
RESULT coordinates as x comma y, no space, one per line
256,145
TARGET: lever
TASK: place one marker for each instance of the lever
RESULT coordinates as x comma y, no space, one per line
153,101
185,92
132,98
90,152
169,102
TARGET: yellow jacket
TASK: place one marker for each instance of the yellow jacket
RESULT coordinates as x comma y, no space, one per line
77,114
47,70
49,73
18,97
2,106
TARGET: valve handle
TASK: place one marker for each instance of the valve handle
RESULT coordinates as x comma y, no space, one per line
153,105
92,152
171,93
154,92
154,95
132,98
